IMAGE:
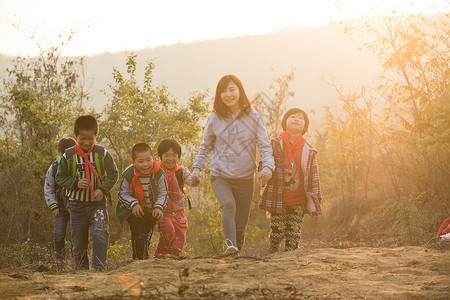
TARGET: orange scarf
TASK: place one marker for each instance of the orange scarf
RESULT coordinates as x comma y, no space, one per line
136,184
87,164
170,175
298,144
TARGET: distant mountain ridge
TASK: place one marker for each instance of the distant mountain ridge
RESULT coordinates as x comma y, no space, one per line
319,56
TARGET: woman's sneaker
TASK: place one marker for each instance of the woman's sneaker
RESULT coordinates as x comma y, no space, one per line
231,249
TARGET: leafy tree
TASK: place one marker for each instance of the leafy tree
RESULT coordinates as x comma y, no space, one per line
273,107
416,48
346,145
40,97
148,114
401,156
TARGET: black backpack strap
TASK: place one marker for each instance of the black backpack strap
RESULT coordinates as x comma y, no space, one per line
100,150
180,179
59,190
71,163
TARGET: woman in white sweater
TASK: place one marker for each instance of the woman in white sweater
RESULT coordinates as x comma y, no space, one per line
232,133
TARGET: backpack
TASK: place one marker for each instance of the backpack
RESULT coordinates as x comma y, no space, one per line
59,189
180,179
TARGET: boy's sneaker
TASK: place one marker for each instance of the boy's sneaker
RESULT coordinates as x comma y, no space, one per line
231,249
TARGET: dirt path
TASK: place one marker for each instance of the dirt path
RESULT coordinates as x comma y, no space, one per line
324,273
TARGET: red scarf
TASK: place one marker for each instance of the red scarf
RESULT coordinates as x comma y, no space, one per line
87,164
136,184
170,175
298,144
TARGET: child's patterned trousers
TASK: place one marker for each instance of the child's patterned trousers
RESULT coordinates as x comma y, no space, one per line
287,225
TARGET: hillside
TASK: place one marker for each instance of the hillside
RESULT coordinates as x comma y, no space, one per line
319,55
308,273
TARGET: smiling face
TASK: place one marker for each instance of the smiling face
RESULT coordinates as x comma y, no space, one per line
86,138
230,96
170,159
295,123
143,162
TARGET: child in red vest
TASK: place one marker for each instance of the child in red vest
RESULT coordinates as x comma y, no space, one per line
174,224
294,189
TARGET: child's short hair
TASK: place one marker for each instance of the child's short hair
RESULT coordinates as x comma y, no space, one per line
139,148
86,122
65,143
294,111
168,144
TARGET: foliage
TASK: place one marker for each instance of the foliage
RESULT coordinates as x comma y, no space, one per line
117,250
21,254
369,162
39,100
410,221
416,48
148,114
346,150
204,236
382,150
272,108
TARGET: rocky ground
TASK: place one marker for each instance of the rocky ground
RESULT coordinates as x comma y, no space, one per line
312,273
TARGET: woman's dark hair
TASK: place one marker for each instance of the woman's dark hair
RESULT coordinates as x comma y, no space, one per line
85,123
294,111
65,143
139,148
244,103
168,144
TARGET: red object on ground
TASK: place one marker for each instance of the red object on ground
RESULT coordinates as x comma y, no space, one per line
445,228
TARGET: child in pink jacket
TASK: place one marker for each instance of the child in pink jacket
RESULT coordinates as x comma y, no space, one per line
174,224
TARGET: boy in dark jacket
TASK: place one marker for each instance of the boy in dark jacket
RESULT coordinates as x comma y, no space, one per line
143,196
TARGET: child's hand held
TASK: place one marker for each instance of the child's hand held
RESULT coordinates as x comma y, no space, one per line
157,213
196,179
264,177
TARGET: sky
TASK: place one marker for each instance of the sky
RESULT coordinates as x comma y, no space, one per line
112,26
